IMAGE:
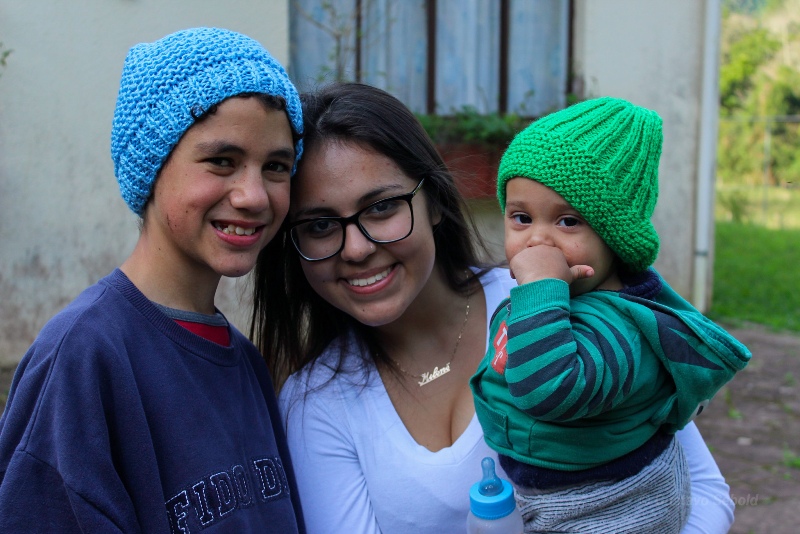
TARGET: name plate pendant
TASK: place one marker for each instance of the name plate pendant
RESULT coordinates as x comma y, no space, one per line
427,378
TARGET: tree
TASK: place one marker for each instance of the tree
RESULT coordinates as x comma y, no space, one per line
740,63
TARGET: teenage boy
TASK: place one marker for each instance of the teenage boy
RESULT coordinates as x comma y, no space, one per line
139,408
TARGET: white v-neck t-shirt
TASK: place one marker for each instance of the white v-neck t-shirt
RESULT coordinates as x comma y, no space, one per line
359,470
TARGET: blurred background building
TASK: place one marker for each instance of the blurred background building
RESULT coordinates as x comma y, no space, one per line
64,224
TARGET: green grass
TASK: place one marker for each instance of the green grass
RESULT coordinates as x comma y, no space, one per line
773,207
790,459
757,275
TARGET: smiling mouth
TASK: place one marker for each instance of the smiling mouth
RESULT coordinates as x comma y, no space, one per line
232,229
361,282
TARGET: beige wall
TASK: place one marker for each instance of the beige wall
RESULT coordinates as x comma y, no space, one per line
651,52
654,53
64,224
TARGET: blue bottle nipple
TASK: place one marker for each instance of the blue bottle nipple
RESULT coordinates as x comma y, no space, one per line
490,484
492,497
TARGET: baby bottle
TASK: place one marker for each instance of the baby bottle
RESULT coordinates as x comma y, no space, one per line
492,509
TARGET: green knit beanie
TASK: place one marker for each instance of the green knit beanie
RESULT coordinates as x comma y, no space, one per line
602,157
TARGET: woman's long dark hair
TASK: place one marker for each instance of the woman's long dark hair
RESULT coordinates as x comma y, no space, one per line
291,324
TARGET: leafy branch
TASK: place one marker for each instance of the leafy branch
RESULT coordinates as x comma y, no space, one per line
467,125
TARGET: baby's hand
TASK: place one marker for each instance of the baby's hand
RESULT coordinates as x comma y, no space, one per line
543,261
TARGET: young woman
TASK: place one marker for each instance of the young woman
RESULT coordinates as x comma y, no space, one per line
374,301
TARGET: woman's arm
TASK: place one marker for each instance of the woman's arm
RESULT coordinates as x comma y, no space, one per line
332,487
712,507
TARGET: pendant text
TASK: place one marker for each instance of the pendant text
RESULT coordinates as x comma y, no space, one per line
427,378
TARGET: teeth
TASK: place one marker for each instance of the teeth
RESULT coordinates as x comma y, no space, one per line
361,282
233,229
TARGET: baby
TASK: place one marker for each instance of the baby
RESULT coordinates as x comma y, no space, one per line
595,362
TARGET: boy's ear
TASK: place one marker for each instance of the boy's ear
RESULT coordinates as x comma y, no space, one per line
149,202
142,222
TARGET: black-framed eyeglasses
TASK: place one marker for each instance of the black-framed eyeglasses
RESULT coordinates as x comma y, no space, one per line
384,221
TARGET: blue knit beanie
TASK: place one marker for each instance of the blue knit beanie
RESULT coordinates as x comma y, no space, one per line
166,84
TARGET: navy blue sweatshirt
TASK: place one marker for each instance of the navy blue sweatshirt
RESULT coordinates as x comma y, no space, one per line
120,420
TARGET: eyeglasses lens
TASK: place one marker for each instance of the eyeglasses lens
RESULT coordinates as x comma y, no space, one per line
383,222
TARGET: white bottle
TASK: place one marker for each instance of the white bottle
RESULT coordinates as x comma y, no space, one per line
492,508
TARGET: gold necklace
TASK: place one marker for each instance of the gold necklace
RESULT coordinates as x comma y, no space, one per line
428,377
